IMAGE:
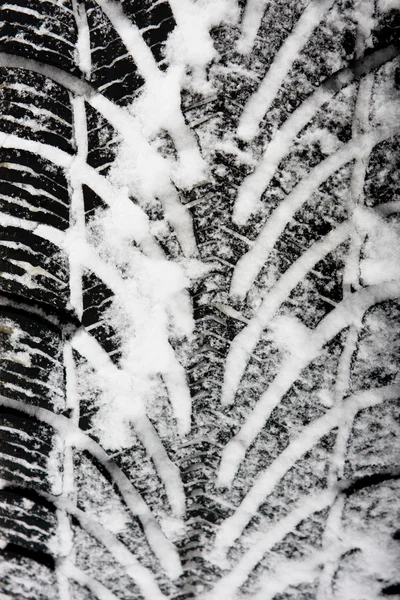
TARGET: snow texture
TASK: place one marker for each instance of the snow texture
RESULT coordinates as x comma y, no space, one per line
199,302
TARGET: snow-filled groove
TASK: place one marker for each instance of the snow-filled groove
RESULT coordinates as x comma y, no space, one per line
199,299
349,312
246,340
254,185
251,263
259,104
90,349
159,544
139,573
266,481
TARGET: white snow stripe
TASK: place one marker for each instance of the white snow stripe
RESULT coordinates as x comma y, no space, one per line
99,184
388,208
18,432
77,231
32,270
180,220
120,80
141,575
67,568
230,312
63,78
112,65
260,102
33,350
52,154
356,198
84,54
32,124
71,384
34,191
190,46
266,481
253,14
47,232
291,573
131,37
28,11
350,311
20,522
244,343
21,535
190,168
24,90
18,167
30,466
251,263
80,127
41,384
169,473
45,33
69,488
332,539
64,587
344,367
28,281
253,186
179,393
39,48
38,112
14,508
230,583
161,546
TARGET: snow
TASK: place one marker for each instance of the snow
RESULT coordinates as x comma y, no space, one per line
244,343
71,82
381,252
387,5
334,544
131,37
366,23
83,52
151,309
266,481
158,107
73,435
190,45
348,312
238,574
139,573
253,186
76,231
290,334
147,293
145,297
251,263
291,572
98,589
253,13
173,528
262,100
